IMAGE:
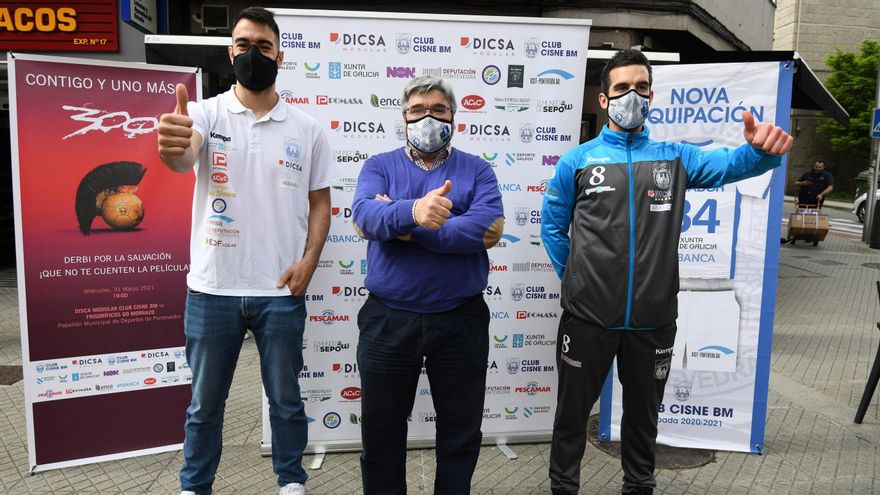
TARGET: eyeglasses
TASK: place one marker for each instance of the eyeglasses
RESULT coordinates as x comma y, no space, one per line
419,111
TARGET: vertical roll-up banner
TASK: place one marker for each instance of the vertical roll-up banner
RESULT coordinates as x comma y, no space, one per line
519,86
716,393
102,243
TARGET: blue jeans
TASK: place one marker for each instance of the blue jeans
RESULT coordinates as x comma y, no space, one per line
392,346
215,327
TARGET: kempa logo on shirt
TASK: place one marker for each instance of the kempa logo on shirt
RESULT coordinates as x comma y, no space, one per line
604,159
221,137
597,190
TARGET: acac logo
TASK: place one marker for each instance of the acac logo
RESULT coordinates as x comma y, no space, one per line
357,39
473,102
351,393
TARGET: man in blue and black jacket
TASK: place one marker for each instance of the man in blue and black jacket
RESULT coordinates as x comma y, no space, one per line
622,195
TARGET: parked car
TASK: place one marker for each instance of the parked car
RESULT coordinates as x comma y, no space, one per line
861,179
859,205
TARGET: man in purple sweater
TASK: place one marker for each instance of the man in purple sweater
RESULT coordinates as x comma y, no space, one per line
430,213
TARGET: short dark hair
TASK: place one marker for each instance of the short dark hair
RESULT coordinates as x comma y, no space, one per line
819,160
260,15
622,59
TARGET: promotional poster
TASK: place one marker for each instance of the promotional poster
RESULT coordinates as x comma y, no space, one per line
519,84
716,392
102,233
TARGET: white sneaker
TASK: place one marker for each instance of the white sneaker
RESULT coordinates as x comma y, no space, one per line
187,492
292,489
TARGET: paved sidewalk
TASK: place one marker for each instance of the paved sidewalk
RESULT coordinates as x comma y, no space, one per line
823,347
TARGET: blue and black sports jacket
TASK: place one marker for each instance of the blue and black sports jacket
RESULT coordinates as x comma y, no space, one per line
622,195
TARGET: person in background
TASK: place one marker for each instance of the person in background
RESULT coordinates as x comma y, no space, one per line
815,185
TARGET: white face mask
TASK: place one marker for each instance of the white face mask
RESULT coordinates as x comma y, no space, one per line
628,110
428,134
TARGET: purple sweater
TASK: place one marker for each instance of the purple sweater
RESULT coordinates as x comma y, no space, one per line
436,270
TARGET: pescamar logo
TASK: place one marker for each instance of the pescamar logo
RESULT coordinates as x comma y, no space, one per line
328,317
532,388
292,99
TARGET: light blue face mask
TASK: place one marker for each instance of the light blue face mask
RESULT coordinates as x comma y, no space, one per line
429,134
628,110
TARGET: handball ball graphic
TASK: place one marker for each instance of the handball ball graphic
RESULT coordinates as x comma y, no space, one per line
109,190
122,211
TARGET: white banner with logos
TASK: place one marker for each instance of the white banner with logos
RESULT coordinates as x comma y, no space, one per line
716,394
519,85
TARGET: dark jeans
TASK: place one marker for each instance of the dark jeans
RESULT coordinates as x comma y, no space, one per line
214,327
393,344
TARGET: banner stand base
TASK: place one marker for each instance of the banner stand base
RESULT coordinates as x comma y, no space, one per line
506,450
317,462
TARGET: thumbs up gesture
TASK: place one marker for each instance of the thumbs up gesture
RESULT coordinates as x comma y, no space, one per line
433,209
175,128
766,137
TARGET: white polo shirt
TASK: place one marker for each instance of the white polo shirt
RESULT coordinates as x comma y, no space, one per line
251,205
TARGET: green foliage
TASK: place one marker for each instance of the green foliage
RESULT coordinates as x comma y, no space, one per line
853,83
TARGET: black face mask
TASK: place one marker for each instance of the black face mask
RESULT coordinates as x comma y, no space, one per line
254,71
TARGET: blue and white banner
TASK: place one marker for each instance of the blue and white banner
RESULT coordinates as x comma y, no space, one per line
519,85
716,395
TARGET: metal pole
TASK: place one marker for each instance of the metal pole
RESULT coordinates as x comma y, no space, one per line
872,186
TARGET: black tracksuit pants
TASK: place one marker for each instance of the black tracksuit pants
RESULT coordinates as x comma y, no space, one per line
584,354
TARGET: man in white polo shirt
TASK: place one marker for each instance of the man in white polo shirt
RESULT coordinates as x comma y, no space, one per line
261,213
